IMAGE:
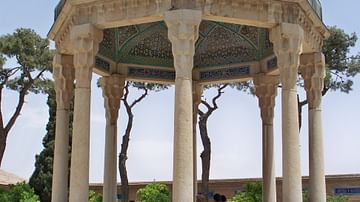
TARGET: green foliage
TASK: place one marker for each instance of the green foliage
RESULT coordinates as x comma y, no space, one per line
329,198
251,193
33,57
94,197
246,86
306,196
149,86
340,66
154,192
20,192
339,198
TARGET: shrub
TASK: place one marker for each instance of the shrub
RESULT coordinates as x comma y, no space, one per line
154,192
94,197
20,192
251,193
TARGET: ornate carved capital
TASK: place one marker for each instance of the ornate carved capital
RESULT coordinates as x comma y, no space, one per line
287,40
183,26
113,90
312,67
266,91
63,74
85,41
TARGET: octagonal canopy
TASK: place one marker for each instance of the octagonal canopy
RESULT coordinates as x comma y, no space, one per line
233,43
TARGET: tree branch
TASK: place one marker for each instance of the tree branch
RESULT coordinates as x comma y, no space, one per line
1,115
19,106
206,104
325,90
40,73
126,87
140,98
201,113
303,103
220,92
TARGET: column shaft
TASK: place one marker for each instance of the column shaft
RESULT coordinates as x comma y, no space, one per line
287,40
110,166
63,72
85,39
197,92
269,180
316,152
183,26
266,91
313,71
113,87
61,157
79,177
292,184
183,176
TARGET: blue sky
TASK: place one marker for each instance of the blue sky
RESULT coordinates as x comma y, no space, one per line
234,129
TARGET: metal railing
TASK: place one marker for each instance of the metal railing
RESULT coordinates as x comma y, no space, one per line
58,8
316,5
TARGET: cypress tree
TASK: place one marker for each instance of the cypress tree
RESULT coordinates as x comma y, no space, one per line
41,179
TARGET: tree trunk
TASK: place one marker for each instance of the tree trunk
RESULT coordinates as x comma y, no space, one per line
123,157
124,178
299,112
205,155
3,137
125,141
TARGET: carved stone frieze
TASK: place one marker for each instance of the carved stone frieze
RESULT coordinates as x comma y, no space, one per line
312,67
64,75
62,40
267,14
106,13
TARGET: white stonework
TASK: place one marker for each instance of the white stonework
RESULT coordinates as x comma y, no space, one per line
113,88
64,75
266,91
313,71
183,28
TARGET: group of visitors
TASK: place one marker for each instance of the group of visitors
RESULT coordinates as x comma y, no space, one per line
219,198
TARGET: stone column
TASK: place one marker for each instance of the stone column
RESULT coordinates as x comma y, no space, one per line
183,28
113,89
287,40
266,91
85,39
63,73
197,92
313,71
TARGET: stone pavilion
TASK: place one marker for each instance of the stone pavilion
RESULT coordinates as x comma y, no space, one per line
188,43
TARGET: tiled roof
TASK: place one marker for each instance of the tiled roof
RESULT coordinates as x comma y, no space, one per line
7,178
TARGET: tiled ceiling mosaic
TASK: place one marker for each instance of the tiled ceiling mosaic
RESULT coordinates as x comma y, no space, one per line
219,44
